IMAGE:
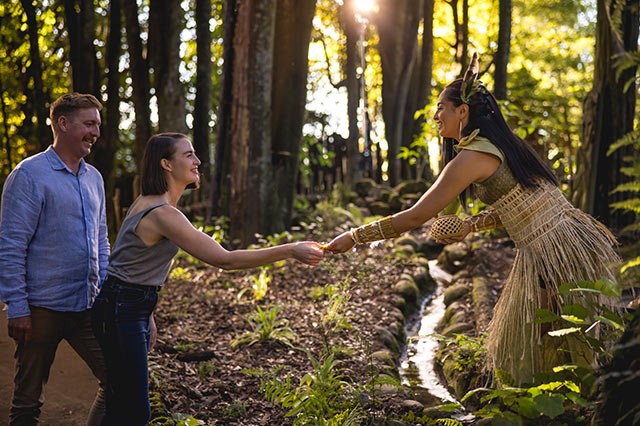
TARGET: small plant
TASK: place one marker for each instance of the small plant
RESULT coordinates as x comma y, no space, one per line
234,410
259,286
180,274
323,397
467,352
205,368
266,327
185,346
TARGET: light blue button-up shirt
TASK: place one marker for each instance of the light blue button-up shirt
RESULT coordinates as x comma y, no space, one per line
53,236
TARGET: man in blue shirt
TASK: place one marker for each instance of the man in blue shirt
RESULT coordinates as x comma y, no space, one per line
53,254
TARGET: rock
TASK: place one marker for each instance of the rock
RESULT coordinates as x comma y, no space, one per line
408,290
387,339
431,249
457,328
409,199
395,203
363,186
452,257
460,275
452,315
385,194
424,280
385,357
455,292
407,240
397,315
412,186
379,208
403,250
482,302
399,302
411,405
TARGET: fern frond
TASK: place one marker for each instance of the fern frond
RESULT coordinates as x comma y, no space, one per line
631,138
632,204
630,264
629,186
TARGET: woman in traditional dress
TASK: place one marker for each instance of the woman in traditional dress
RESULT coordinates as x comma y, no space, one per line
556,243
149,238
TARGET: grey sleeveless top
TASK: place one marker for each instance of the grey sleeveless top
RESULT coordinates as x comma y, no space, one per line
133,261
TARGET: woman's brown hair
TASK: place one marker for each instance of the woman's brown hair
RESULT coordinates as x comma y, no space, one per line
162,145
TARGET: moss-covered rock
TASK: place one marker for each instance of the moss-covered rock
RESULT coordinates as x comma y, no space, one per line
387,339
452,257
385,357
455,292
395,202
363,186
408,290
407,240
482,302
379,208
457,328
412,186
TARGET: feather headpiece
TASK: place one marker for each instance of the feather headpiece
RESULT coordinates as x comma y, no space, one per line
469,85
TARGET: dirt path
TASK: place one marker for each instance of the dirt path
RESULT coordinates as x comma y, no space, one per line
70,390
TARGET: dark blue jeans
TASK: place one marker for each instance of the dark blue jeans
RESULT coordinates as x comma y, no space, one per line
121,322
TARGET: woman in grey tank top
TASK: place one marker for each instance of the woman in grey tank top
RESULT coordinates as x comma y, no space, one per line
149,238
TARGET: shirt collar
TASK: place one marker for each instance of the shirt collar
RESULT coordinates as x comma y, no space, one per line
57,164
468,139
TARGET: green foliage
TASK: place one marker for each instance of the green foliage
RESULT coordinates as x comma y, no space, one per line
322,397
266,328
467,352
259,285
185,346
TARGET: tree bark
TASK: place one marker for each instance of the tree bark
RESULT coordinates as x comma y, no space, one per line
351,30
290,67
397,23
607,116
220,180
80,23
504,48
139,70
251,177
202,105
165,24
35,71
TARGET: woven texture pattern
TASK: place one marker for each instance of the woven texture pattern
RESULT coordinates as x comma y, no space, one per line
374,231
495,186
556,243
446,226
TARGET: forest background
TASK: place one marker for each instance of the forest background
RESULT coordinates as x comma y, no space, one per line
285,98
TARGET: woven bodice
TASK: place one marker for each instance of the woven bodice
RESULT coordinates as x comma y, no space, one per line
529,213
495,186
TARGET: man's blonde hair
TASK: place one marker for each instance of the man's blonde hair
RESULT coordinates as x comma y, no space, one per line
70,103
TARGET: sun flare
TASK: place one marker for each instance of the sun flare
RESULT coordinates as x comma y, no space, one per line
364,5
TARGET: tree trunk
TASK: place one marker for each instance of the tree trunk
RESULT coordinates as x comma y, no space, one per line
251,177
462,33
397,23
39,100
103,155
165,24
139,70
504,47
351,30
202,105
290,67
608,115
80,24
220,180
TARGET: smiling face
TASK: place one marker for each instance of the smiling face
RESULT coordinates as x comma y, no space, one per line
77,131
183,164
448,117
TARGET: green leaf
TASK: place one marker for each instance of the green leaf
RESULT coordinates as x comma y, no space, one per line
576,310
571,386
527,407
566,367
630,264
550,405
573,319
473,392
577,399
507,419
545,315
563,331
610,322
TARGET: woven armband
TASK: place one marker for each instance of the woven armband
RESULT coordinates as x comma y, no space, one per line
484,221
446,226
374,231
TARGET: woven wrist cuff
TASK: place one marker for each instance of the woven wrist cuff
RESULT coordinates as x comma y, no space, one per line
483,221
445,227
374,231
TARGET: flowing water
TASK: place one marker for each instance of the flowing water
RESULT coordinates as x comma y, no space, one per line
417,363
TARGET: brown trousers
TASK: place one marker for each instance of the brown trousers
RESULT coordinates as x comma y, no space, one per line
34,359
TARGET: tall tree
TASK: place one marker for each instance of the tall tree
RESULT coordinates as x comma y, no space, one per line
504,48
220,180
289,93
202,105
139,70
80,24
251,147
461,27
34,71
608,114
166,19
353,31
397,23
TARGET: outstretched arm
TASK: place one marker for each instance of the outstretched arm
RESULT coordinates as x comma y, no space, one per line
173,225
466,168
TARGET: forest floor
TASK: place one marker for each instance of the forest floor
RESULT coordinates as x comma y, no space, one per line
342,303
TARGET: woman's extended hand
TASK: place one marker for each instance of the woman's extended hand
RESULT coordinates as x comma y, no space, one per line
308,252
341,243
456,238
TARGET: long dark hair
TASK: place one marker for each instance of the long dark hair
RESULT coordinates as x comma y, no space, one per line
484,114
158,146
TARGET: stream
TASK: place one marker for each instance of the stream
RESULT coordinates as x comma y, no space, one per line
417,362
